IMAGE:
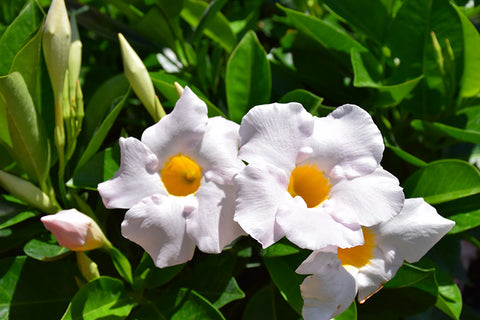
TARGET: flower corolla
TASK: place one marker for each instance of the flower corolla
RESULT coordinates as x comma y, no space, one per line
337,275
316,181
177,183
75,230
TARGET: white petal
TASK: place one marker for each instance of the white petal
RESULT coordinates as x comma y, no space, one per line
261,189
314,228
414,231
275,133
347,143
329,290
180,131
136,178
211,226
217,155
375,274
368,200
157,224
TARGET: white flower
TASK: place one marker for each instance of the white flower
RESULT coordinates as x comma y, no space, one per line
178,184
314,180
336,276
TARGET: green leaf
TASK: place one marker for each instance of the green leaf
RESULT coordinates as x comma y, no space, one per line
152,276
157,26
286,280
408,275
222,288
470,81
102,298
18,34
402,154
101,167
465,212
443,180
322,32
30,146
19,234
266,303
43,251
121,263
370,19
101,133
31,289
102,102
248,78
207,18
12,213
385,95
449,298
310,101
279,249
443,129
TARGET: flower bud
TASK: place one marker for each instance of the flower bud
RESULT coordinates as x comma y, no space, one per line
26,191
75,230
87,267
139,79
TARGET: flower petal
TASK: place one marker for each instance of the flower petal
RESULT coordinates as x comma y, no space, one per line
136,178
414,231
211,226
261,189
276,134
330,290
157,224
347,143
180,131
218,152
367,200
314,228
375,274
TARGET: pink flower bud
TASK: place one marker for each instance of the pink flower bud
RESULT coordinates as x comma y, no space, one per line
75,230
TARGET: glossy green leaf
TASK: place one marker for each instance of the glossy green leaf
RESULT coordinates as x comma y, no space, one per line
157,27
286,280
408,275
248,79
213,22
19,234
470,81
18,34
101,133
153,277
31,289
443,180
465,212
443,129
41,250
322,32
405,155
102,298
29,141
280,248
449,298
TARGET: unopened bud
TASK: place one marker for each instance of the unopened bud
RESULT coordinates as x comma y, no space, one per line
75,230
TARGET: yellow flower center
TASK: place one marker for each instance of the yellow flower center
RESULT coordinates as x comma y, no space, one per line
181,175
309,183
358,256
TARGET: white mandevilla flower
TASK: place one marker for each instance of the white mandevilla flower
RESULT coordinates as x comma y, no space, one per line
336,276
178,184
75,230
314,180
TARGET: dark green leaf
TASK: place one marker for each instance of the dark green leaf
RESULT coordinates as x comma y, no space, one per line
405,155
443,180
31,289
310,101
349,314
248,78
102,298
153,276
465,212
121,263
41,250
280,248
443,129
12,213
